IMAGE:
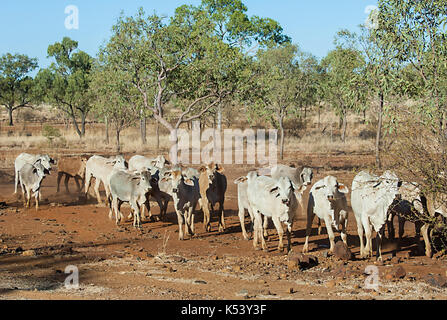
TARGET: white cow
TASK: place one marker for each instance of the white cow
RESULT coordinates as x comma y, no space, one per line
327,200
371,198
100,168
139,163
23,158
31,176
274,199
131,188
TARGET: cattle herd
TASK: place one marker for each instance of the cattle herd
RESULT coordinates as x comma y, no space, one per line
270,193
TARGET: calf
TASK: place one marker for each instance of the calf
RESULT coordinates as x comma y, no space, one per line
327,200
100,168
23,158
31,176
71,167
131,188
186,195
274,199
371,198
213,185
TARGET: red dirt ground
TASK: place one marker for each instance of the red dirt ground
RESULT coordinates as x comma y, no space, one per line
123,263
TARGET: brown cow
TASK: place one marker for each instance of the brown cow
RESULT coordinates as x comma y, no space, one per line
213,185
71,167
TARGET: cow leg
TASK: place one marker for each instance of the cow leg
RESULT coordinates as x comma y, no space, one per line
117,208
136,216
98,197
280,231
330,232
206,215
36,197
180,224
360,234
265,226
221,217
310,218
59,177
390,225
379,238
67,177
258,229
76,179
368,233
426,236
16,179
289,237
320,228
242,221
344,227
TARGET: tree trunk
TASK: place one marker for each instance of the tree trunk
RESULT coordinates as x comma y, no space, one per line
75,123
379,133
157,136
107,130
281,128
83,116
118,147
143,130
11,122
319,117
344,125
219,117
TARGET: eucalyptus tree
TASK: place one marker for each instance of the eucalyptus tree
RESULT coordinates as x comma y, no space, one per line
343,82
283,82
382,72
65,84
417,32
232,25
16,85
115,99
178,61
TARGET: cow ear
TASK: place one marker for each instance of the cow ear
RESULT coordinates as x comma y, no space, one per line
189,182
240,180
274,189
167,162
34,170
219,168
202,169
342,188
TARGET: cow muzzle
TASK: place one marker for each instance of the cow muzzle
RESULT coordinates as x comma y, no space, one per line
286,202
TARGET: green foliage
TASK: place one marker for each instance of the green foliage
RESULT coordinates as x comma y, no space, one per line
417,33
65,84
50,133
16,86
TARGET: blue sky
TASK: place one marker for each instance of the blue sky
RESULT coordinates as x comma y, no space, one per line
28,26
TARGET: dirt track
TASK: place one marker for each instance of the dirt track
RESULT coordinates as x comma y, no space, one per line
122,263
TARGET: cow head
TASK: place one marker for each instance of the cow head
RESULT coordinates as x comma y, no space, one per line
211,171
283,191
175,178
160,162
118,162
46,162
306,176
145,180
